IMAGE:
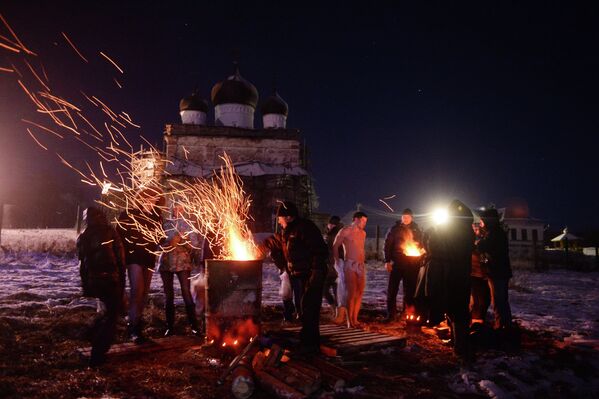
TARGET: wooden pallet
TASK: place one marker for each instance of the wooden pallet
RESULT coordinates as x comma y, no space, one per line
336,340
151,346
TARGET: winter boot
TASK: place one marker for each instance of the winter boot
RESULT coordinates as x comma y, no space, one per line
170,320
135,333
193,320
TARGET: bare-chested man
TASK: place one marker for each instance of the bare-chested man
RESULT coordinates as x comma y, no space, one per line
353,239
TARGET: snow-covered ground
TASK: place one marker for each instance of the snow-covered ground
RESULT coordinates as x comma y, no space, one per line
558,302
561,302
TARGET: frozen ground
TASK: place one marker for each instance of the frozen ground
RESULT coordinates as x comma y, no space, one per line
560,305
563,303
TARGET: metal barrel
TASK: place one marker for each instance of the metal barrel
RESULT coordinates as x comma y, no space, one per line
233,300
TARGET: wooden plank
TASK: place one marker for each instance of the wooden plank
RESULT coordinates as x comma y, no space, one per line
387,339
360,338
336,333
354,336
156,345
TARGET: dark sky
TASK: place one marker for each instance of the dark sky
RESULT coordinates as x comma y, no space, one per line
480,101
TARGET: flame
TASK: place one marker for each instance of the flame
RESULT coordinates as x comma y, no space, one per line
412,250
409,246
218,209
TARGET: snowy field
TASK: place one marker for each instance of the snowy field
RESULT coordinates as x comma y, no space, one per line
558,304
561,302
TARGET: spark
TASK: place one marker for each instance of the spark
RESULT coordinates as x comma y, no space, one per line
219,208
107,242
117,83
37,76
112,62
6,46
386,204
74,48
43,128
186,152
14,35
36,140
6,70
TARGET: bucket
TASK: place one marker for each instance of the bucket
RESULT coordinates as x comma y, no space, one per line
233,301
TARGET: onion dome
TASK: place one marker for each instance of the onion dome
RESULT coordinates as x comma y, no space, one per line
193,103
235,90
274,104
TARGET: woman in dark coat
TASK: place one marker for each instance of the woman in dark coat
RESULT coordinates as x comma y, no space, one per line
102,269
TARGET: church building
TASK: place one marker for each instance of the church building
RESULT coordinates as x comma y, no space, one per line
270,159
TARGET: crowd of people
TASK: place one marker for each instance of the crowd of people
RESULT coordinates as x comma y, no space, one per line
459,271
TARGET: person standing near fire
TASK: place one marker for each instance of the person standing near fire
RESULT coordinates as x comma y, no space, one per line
102,269
300,249
480,297
330,284
353,239
140,256
449,248
179,246
494,250
401,264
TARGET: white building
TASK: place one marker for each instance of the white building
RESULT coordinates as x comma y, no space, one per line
525,235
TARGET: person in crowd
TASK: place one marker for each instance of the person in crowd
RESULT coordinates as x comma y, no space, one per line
330,284
102,268
480,297
137,226
353,239
177,259
449,248
494,250
399,265
300,249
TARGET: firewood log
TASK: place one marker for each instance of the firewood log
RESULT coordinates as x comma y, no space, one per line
277,387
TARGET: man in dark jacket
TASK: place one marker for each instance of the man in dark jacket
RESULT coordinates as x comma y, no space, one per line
136,227
102,268
494,251
450,249
330,283
300,249
401,266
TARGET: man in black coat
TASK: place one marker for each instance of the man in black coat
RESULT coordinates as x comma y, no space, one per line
102,269
300,249
450,247
399,265
494,250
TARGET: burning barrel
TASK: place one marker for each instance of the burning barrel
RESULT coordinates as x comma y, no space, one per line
233,301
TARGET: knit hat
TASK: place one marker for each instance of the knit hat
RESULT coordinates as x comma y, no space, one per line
287,208
407,211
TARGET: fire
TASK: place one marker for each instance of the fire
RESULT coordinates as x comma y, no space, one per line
218,208
412,249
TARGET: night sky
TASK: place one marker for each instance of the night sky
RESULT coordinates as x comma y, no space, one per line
477,101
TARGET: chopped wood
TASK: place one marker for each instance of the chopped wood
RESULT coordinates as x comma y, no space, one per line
237,359
242,380
295,378
274,356
277,387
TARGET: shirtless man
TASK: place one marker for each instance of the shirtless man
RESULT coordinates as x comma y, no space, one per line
353,238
